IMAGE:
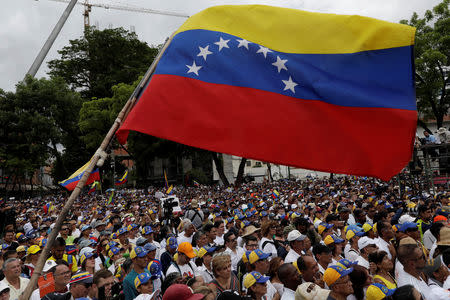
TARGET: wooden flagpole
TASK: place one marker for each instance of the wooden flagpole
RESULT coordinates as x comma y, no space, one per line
101,155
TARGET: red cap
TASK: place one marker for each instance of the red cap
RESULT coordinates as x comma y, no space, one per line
181,292
439,218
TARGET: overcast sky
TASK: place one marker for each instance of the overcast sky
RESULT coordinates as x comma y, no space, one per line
26,24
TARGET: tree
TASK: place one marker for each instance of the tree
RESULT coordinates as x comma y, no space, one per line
101,59
432,58
37,121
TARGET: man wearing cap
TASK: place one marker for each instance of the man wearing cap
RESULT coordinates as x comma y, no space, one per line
366,246
290,278
139,257
423,220
296,241
167,256
4,291
183,265
195,215
437,273
181,292
16,283
337,279
148,234
33,254
259,262
80,285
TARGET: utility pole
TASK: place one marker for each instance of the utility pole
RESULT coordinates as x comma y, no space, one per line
51,39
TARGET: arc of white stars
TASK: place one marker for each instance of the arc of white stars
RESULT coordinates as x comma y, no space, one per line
264,51
193,68
289,85
243,43
222,43
280,64
204,52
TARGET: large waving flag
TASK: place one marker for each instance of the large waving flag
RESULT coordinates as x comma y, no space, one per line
336,92
123,179
71,182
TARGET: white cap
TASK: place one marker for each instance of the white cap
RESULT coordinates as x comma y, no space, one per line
86,250
365,241
48,265
295,235
3,286
405,218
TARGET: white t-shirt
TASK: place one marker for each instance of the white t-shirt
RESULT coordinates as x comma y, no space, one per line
189,270
235,256
428,239
436,292
404,279
383,246
207,275
291,256
363,262
182,238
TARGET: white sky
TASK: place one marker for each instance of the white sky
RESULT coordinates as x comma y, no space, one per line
26,24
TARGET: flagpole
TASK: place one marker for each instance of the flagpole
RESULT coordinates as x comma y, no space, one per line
99,156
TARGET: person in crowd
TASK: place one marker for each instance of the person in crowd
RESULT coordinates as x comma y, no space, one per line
256,285
297,244
274,265
406,292
57,251
204,258
167,256
102,282
187,232
233,249
183,264
360,280
138,256
267,244
366,246
337,279
12,270
384,240
290,278
437,274
224,278
383,269
195,215
80,285
323,256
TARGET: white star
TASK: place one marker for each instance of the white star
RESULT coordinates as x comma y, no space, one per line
204,52
263,50
194,68
222,43
290,85
243,43
280,64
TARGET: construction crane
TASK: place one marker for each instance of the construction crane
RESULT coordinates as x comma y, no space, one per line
88,6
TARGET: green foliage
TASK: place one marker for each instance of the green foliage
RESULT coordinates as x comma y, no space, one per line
432,57
197,175
34,121
99,60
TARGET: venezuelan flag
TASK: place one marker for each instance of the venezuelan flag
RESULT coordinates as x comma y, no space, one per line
339,89
169,190
275,194
71,182
196,183
165,180
123,179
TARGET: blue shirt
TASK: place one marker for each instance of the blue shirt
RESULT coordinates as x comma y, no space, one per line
129,290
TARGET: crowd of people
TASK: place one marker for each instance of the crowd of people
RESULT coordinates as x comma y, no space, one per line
341,238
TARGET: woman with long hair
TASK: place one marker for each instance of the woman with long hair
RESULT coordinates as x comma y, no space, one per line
267,243
275,263
383,270
361,280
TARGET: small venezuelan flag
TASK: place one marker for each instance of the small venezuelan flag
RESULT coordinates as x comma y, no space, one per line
169,191
275,194
71,182
123,179
196,183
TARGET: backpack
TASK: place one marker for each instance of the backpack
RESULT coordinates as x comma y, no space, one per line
281,252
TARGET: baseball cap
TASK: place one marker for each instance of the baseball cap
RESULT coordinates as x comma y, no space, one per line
87,255
33,249
82,277
149,247
432,266
142,278
440,218
347,263
85,243
113,251
378,291
85,227
254,277
42,243
408,225
138,252
172,242
407,241
181,292
21,248
141,241
295,235
351,233
203,250
122,231
367,227
155,269
311,291
50,263
132,226
331,238
186,248
365,241
323,226
86,250
146,230
335,272
256,255
3,287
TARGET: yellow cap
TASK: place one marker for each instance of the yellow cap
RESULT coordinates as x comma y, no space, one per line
378,291
367,227
254,277
33,249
